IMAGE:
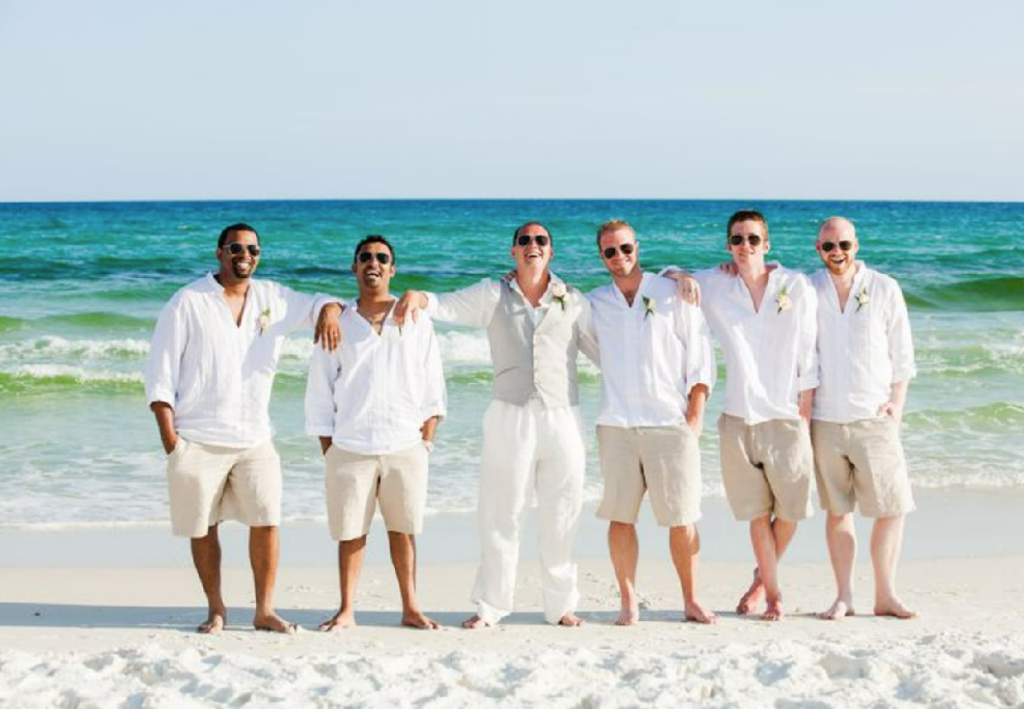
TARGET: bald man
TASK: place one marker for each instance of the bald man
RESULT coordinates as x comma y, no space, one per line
867,361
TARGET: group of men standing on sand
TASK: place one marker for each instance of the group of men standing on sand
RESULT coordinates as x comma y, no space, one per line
817,374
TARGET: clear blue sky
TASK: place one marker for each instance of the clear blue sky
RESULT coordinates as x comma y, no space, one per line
183,99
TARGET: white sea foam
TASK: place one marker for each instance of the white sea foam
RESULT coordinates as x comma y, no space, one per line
52,347
949,670
66,371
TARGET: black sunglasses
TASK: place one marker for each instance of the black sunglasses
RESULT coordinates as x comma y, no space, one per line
382,258
539,240
235,248
626,250
827,246
752,239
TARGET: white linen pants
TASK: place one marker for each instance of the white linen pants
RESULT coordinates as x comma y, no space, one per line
526,449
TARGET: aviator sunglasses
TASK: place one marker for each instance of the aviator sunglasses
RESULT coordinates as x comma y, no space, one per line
827,246
235,248
382,258
752,239
626,250
540,240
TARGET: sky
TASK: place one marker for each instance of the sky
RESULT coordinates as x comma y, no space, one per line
664,99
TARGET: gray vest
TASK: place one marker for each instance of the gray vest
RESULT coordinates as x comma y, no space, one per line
532,360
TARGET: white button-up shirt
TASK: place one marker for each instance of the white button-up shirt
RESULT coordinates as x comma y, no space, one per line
373,393
652,354
217,375
864,349
770,354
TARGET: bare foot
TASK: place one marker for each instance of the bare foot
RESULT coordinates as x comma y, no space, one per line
214,623
695,611
630,613
774,610
570,620
752,598
894,608
274,623
475,623
415,619
839,610
340,621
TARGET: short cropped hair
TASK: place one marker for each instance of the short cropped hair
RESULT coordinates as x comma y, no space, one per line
374,239
515,234
746,215
229,230
614,225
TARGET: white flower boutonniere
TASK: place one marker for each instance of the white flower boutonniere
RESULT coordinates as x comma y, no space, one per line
862,298
560,293
782,299
648,306
264,321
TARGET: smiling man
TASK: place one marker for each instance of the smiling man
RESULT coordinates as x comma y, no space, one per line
374,403
657,368
533,434
209,376
867,362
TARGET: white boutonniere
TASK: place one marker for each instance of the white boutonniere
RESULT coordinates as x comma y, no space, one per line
264,321
560,293
782,299
648,306
862,298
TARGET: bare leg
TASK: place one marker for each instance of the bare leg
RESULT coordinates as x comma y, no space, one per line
684,545
886,542
350,562
842,550
206,557
263,554
403,557
752,597
624,549
770,540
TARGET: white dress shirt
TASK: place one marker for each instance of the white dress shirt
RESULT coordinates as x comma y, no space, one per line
864,349
474,306
770,354
651,355
217,375
373,393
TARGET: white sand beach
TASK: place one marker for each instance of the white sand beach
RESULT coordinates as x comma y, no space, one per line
120,633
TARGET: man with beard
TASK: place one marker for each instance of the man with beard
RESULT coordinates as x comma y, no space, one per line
374,403
867,362
533,434
209,376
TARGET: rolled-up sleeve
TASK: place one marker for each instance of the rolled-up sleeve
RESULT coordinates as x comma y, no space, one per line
303,309
808,375
434,400
692,330
324,368
163,367
901,342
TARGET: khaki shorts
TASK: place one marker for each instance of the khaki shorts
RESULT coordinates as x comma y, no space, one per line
356,482
767,468
662,460
861,463
209,484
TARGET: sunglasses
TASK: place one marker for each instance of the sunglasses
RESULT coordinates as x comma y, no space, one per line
626,250
382,258
827,246
539,240
234,248
752,239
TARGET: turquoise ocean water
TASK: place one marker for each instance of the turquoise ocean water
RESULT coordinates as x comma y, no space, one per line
81,286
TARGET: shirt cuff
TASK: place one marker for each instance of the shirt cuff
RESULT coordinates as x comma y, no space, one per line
163,394
904,374
320,431
807,381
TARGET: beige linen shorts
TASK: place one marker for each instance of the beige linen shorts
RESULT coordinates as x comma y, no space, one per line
356,482
209,484
861,463
662,460
766,467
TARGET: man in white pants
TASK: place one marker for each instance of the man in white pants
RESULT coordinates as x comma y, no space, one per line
374,403
867,362
533,434
208,381
657,368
